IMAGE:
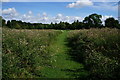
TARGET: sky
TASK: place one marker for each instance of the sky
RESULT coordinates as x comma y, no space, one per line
55,0
47,12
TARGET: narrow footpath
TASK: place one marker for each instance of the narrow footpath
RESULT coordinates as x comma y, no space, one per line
62,65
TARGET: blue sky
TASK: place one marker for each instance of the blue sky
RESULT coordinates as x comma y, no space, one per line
55,0
49,11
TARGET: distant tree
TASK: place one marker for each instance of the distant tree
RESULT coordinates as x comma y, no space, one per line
9,24
93,20
119,26
62,25
66,25
51,26
21,24
112,23
15,24
75,25
3,22
81,25
0,21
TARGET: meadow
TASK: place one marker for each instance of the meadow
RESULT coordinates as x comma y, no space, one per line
26,51
98,50
87,53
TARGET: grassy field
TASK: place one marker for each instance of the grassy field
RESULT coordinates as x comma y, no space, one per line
98,50
88,54
25,52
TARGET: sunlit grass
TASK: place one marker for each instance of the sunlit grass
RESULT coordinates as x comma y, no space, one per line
86,53
25,52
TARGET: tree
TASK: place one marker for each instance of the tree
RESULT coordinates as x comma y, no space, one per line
15,24
93,20
51,26
3,22
9,24
112,23
67,25
119,26
62,25
75,25
0,21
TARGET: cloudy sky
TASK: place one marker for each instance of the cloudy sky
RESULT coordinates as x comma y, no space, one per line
56,0
47,12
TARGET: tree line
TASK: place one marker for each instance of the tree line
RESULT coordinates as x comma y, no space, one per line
91,21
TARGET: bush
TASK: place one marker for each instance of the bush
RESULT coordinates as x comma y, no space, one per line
98,50
25,52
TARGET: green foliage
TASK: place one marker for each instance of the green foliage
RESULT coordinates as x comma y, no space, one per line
98,50
93,20
112,23
88,54
2,22
25,52
9,24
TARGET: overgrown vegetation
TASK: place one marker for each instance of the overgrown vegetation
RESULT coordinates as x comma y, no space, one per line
94,50
98,50
87,53
26,52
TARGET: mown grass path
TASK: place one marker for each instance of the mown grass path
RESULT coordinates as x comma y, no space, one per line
62,65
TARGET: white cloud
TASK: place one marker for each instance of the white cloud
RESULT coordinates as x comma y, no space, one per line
55,0
30,13
105,17
4,0
103,5
27,17
67,19
10,13
47,19
75,18
59,16
78,18
61,0
44,14
80,3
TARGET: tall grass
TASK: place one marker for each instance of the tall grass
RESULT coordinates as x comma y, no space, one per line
98,50
25,52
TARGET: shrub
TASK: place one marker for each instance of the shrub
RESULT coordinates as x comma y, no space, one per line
98,50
